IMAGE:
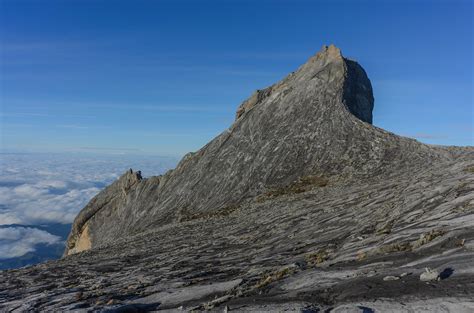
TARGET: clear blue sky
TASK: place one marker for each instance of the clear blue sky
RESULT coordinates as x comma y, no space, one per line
164,77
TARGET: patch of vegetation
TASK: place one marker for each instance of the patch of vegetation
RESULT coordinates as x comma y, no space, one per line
464,207
469,169
361,255
316,258
385,229
277,275
303,184
409,246
428,237
394,247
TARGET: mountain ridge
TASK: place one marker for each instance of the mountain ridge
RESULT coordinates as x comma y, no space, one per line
304,125
301,205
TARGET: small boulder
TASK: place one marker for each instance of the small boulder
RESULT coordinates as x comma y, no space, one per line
429,275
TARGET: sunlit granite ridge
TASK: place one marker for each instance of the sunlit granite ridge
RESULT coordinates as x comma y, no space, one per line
300,205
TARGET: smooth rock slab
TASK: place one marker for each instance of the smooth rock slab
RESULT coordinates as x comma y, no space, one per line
186,294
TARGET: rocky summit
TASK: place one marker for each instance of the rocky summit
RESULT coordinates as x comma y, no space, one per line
301,205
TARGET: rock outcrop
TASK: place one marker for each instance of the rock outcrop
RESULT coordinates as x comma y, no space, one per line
113,196
315,122
301,205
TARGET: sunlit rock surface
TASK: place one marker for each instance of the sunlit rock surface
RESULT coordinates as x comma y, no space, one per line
301,204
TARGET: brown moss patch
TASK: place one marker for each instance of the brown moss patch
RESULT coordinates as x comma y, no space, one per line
408,246
277,275
361,255
394,247
303,184
428,237
385,229
317,257
469,169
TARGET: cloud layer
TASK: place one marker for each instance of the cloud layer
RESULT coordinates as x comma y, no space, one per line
42,189
17,241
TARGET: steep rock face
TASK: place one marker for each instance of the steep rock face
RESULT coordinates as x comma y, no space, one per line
302,206
316,122
114,195
358,92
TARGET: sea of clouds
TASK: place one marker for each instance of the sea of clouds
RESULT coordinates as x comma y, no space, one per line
18,241
46,189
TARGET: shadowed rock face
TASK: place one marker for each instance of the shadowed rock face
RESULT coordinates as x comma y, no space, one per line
301,205
357,95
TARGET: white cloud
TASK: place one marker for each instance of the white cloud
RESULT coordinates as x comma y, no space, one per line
38,189
17,241
44,201
9,218
53,188
27,191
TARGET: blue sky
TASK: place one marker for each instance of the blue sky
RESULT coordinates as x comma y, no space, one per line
165,77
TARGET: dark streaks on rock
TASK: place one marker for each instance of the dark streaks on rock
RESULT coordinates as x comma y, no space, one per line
300,205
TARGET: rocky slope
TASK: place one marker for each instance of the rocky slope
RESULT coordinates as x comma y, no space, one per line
315,122
300,205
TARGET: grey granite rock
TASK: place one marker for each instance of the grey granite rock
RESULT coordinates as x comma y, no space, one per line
301,205
429,275
112,196
315,122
